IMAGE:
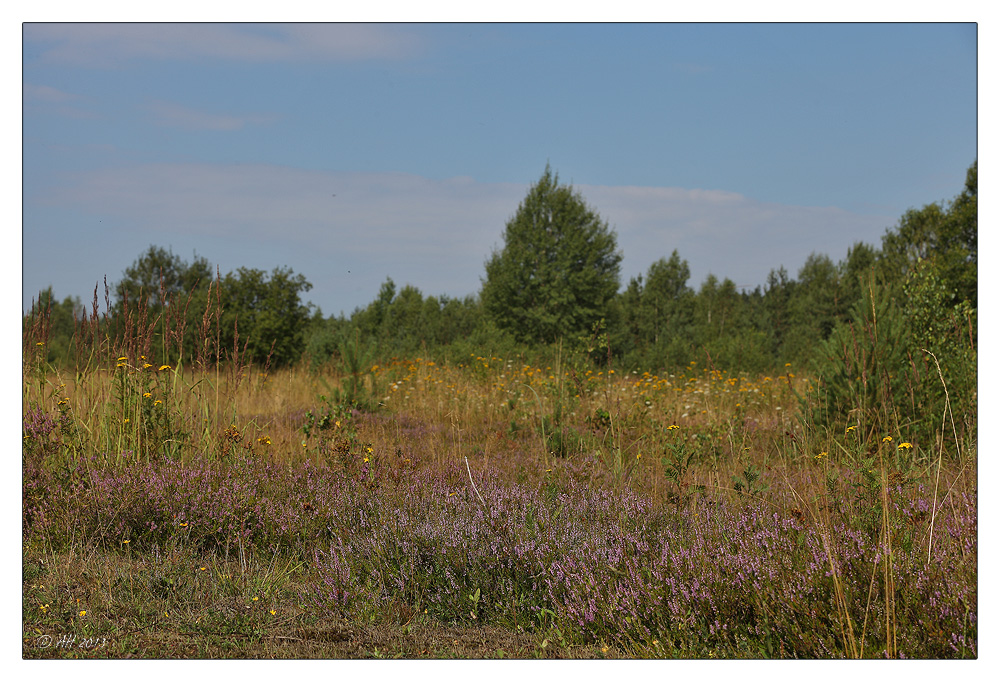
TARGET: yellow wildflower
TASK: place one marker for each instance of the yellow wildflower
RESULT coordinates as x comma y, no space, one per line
672,427
887,439
905,446
163,367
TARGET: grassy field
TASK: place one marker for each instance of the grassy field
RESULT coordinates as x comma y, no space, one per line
495,508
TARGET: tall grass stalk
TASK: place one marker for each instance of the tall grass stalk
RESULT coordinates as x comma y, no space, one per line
937,476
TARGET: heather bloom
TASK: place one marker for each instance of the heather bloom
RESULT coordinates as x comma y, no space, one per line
623,567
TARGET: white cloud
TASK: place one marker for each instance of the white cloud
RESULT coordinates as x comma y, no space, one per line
45,94
106,45
726,234
437,234
44,98
174,115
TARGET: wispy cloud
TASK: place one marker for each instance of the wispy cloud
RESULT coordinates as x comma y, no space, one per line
38,98
436,234
111,45
173,115
46,94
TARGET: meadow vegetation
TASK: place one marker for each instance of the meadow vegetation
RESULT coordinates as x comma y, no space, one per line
676,479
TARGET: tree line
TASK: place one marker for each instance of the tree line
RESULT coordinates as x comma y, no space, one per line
555,282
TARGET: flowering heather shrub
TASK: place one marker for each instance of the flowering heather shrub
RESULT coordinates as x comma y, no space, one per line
727,576
37,428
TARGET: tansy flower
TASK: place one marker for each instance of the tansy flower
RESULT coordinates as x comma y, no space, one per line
163,367
850,428
158,402
82,614
147,395
672,427
905,446
821,455
264,440
887,439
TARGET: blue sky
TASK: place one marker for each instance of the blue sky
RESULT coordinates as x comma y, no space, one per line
351,153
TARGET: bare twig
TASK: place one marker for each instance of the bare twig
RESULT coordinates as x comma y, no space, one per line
473,482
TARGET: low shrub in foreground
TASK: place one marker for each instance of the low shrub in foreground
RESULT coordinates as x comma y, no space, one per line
722,576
